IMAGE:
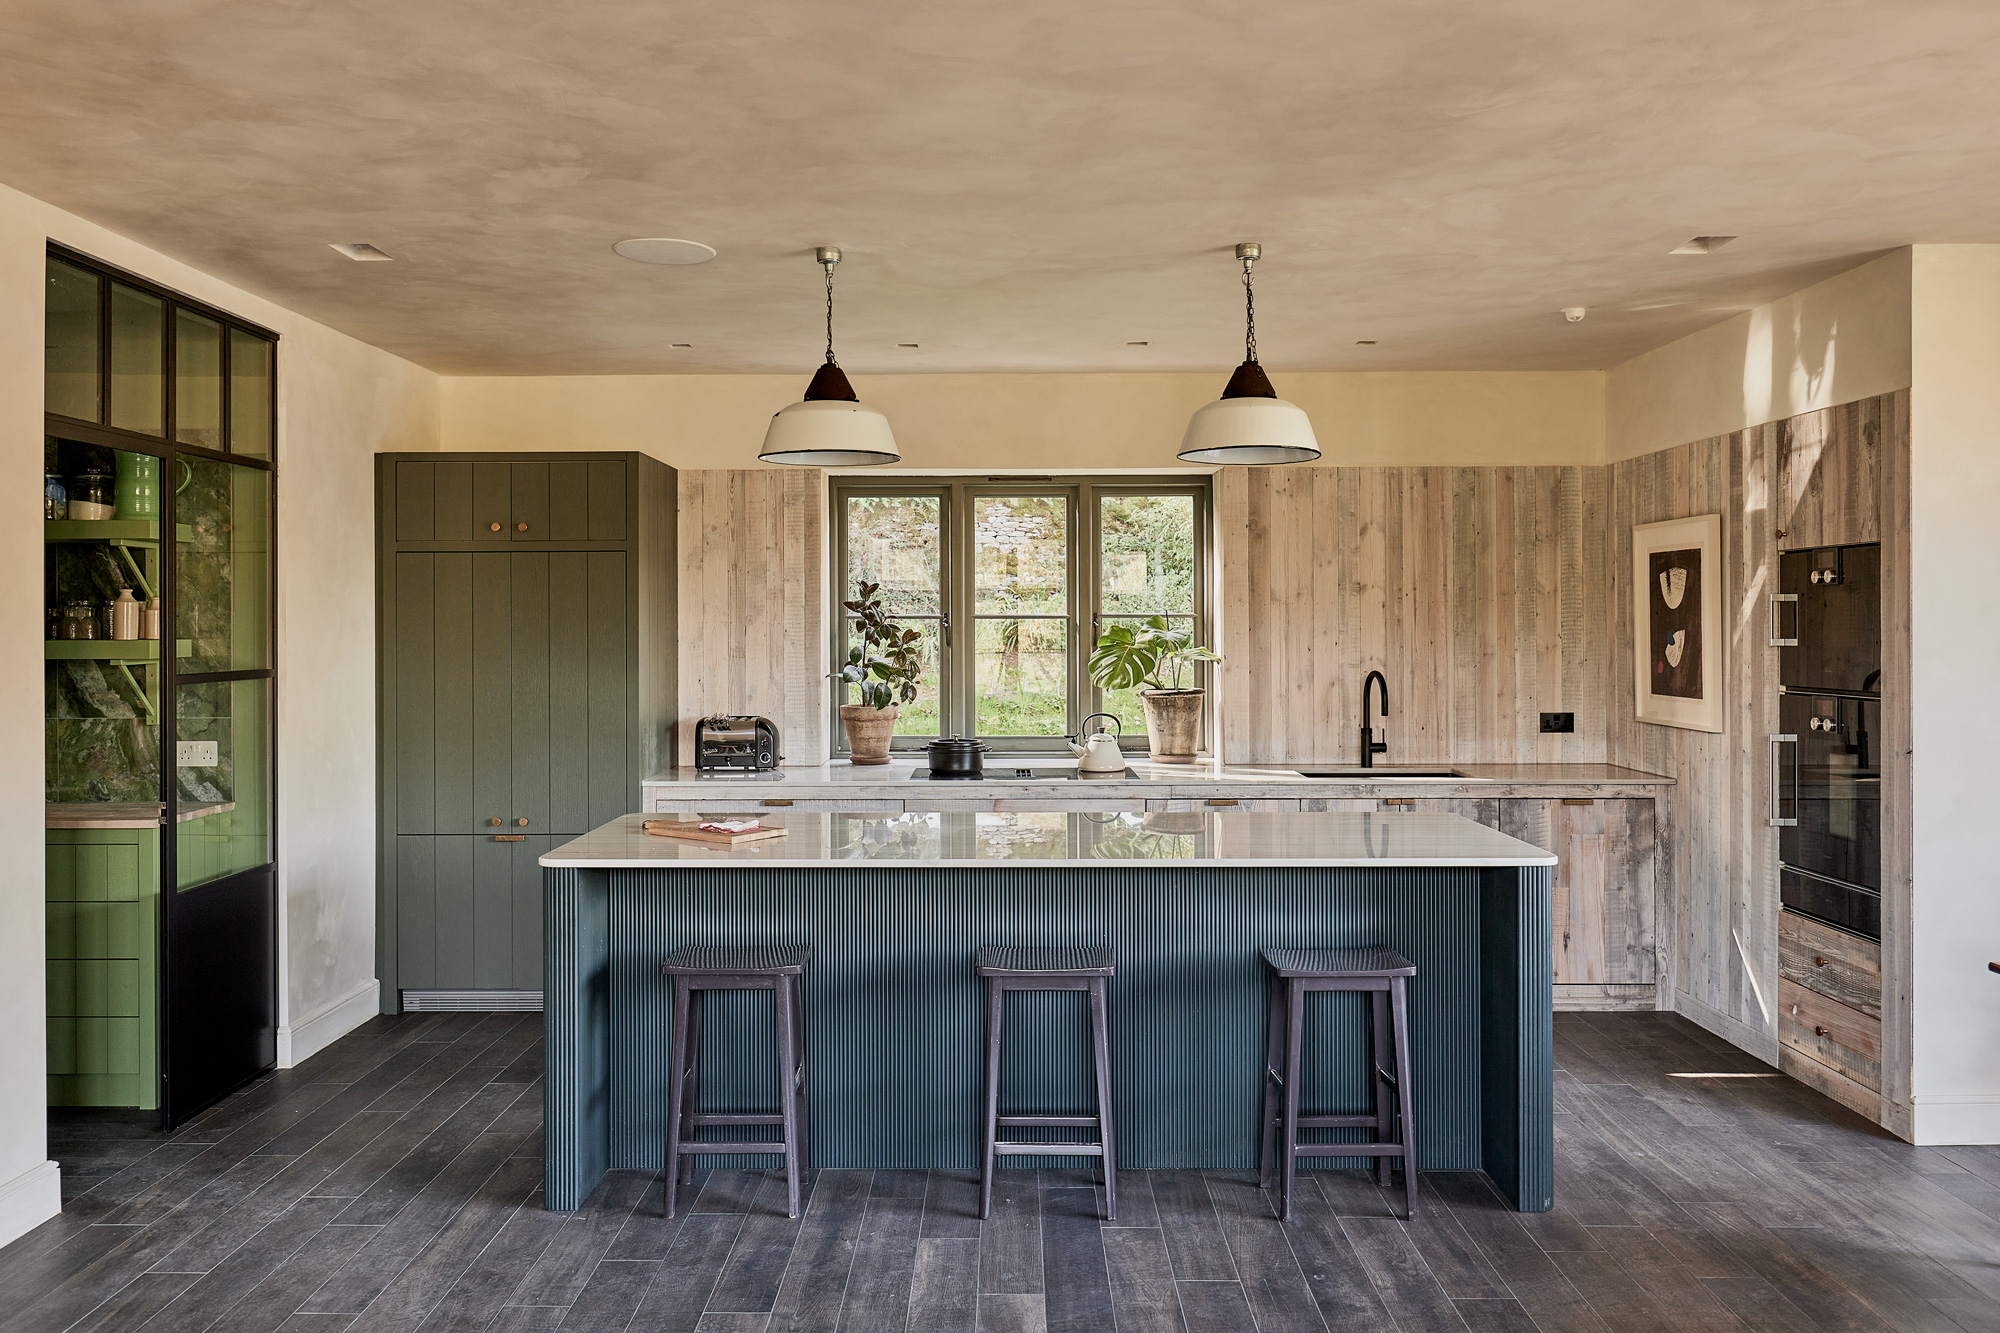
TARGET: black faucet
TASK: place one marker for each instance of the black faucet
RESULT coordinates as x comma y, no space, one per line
1370,747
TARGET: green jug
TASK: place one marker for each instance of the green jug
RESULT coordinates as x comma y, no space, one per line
139,484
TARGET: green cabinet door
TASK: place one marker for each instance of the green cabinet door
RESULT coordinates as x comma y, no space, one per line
469,912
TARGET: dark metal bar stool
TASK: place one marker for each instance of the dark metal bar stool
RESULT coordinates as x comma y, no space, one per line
1088,970
776,968
1383,973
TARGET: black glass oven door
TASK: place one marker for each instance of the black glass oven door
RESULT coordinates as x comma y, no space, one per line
1837,790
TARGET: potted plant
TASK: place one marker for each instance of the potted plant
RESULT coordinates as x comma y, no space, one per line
1129,655
883,667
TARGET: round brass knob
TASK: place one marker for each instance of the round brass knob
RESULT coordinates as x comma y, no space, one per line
522,823
520,527
494,526
494,822
1820,962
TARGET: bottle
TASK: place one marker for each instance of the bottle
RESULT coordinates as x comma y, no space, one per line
55,496
149,623
125,615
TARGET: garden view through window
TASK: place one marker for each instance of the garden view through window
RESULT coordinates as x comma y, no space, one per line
1010,586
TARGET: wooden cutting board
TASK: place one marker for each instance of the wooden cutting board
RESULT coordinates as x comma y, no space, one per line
691,831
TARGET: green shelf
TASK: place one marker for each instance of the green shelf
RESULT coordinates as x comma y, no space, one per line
144,530
112,650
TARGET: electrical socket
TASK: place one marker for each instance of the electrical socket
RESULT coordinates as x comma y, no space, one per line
1558,721
197,754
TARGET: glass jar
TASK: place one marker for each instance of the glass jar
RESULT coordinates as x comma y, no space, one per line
55,496
80,621
92,494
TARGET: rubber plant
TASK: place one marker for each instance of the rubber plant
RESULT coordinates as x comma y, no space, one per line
883,665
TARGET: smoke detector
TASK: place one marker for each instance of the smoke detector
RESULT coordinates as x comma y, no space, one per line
1575,313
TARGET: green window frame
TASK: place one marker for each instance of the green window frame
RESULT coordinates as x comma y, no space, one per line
955,605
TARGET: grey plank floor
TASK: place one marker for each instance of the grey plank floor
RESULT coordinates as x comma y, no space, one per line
393,1182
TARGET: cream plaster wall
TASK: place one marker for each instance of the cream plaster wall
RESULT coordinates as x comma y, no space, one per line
1955,631
341,402
1043,422
1837,341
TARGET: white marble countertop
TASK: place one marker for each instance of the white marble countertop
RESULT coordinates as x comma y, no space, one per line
1144,779
1041,839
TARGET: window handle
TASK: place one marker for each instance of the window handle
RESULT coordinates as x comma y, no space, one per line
944,627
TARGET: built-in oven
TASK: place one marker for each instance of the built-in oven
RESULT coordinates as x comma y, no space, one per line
1825,773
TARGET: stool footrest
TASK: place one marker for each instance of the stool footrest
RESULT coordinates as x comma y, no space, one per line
1337,1122
1351,1150
1005,1149
1053,1121
722,1147
743,1118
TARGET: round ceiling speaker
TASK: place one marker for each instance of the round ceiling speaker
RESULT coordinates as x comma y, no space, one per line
665,250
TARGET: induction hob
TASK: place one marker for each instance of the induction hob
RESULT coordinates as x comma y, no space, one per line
1003,773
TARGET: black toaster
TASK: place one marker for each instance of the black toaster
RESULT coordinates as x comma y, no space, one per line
723,742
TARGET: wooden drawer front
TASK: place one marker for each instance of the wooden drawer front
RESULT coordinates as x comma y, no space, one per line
1279,804
1056,804
757,804
1832,962
1843,1039
1321,805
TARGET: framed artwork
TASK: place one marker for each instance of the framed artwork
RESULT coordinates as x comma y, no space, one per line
1677,622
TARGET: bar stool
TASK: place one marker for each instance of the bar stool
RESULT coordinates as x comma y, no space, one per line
1079,969
1382,973
776,968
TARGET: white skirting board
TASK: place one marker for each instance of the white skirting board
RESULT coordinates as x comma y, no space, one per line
301,1041
1955,1119
28,1200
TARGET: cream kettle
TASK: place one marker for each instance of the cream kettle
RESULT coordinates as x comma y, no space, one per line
1099,752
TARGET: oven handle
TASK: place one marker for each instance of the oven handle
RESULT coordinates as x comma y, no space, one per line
1777,739
1793,598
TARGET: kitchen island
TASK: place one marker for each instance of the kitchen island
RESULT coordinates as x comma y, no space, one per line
894,904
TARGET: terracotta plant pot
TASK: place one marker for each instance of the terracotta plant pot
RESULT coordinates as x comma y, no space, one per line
868,732
1173,724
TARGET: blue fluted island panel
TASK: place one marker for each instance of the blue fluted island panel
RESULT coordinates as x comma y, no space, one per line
895,904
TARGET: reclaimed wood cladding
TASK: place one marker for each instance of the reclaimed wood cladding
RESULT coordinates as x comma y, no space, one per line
1477,592
752,639
1829,477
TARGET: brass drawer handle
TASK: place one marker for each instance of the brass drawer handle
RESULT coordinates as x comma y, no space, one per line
1399,800
774,800
1821,1031
1575,800
1821,962
508,837
494,526
1224,800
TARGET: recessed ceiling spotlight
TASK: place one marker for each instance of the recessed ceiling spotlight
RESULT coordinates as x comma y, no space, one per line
665,250
1575,313
909,344
1141,343
1364,342
1702,245
359,250
680,344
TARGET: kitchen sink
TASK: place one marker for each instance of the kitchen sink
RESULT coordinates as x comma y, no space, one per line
1384,774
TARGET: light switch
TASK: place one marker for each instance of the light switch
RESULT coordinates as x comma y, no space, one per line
197,754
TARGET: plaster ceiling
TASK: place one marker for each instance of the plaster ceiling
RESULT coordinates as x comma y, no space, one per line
1024,186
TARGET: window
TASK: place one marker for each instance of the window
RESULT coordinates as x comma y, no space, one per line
1010,583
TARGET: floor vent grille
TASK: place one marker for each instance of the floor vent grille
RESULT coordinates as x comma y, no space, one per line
472,1001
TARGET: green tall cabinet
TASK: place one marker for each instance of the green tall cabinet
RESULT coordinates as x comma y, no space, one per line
525,631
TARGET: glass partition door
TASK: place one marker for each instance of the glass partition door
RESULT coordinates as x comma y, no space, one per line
160,501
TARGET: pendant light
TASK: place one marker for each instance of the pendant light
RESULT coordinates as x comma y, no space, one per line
1249,424
829,427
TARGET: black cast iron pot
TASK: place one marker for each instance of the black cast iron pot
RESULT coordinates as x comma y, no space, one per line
956,757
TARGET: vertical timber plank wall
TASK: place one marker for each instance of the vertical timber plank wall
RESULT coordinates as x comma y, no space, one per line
1476,591
1833,476
752,590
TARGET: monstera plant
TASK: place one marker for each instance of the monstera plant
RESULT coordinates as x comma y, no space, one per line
1155,656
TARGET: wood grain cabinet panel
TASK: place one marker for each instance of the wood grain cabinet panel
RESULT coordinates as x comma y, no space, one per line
1840,966
1222,804
524,694
1843,1039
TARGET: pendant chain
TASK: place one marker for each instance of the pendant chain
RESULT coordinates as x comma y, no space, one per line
1249,314
828,266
